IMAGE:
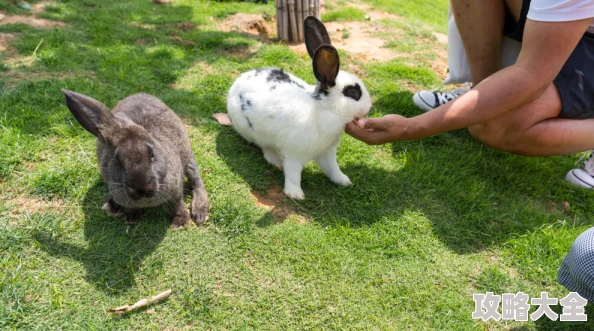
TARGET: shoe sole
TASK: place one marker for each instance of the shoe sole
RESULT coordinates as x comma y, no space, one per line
580,178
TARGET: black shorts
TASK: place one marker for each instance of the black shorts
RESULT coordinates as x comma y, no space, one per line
575,81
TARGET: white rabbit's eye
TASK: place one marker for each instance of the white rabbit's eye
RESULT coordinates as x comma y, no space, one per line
352,91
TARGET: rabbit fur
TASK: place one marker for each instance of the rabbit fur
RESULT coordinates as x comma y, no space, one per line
294,122
144,152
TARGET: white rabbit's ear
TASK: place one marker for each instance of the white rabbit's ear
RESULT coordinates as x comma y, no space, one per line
326,64
315,35
90,113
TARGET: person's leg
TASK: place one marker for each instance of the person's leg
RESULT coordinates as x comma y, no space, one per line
535,129
481,27
577,270
480,24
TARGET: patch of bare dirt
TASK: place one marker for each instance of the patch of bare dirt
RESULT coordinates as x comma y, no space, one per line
143,25
13,77
354,69
21,205
440,64
40,6
441,38
254,24
32,21
558,206
360,41
186,26
274,196
382,15
374,15
5,38
273,201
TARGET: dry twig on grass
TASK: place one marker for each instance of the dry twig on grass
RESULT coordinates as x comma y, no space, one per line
140,303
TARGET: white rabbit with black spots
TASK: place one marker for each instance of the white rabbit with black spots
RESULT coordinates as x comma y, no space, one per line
294,122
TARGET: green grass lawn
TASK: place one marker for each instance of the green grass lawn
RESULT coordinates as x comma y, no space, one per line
425,225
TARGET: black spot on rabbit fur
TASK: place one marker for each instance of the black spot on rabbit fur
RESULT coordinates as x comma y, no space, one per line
352,91
278,75
320,89
245,103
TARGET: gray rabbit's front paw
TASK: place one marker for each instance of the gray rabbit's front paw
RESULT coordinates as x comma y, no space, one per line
129,215
180,219
112,208
199,210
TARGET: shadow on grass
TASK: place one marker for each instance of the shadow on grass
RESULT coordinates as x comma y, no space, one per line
474,197
108,50
113,252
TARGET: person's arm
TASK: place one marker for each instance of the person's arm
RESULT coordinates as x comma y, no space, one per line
546,48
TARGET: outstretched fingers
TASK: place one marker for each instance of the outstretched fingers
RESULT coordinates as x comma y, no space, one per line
367,134
375,131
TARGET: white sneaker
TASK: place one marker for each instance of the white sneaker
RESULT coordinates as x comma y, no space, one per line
429,100
583,176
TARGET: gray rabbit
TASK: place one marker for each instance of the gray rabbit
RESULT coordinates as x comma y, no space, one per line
144,152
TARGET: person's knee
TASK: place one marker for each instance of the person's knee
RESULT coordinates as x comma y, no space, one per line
495,136
480,132
507,138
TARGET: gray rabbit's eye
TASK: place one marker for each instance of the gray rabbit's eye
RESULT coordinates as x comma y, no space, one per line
151,150
115,159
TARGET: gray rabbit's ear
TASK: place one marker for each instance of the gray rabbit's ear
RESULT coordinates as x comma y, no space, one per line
326,64
315,35
90,113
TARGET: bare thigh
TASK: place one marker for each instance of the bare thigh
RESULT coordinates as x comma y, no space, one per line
548,105
511,130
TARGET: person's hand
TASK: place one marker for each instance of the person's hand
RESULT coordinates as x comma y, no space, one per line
376,131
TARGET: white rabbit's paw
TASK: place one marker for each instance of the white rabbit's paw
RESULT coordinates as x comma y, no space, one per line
294,192
342,180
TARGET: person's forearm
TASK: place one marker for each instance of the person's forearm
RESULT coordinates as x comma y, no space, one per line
503,91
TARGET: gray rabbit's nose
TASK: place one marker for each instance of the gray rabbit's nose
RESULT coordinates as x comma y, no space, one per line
146,191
